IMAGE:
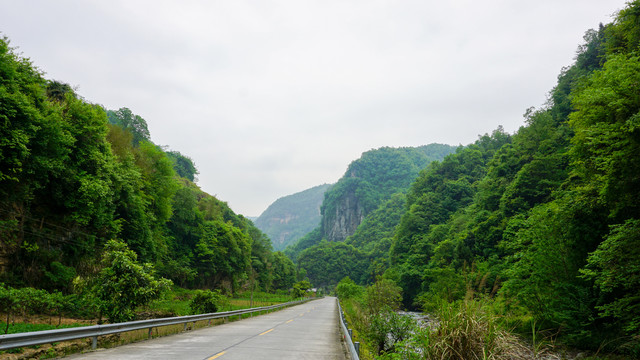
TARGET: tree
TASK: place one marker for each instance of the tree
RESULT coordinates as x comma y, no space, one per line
615,271
124,284
183,165
127,120
300,288
347,289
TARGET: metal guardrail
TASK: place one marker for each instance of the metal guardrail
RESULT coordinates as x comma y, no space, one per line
354,348
10,341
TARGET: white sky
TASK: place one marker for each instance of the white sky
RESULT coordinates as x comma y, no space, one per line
273,97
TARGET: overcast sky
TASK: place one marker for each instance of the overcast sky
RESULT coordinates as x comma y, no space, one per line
270,98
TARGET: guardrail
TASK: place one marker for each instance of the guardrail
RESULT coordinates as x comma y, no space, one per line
10,341
354,348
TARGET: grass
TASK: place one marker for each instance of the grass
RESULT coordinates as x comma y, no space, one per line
176,302
15,328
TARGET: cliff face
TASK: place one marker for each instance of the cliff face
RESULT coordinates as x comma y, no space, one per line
347,216
370,181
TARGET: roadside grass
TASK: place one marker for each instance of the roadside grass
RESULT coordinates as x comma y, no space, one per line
20,327
176,302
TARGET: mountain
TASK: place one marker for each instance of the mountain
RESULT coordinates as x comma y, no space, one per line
368,183
291,217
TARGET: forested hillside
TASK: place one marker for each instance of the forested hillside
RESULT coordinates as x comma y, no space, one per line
372,186
291,217
543,223
74,175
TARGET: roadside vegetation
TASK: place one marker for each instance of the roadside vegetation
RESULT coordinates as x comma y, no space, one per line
535,233
471,328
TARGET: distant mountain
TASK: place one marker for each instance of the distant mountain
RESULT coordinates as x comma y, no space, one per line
293,216
368,184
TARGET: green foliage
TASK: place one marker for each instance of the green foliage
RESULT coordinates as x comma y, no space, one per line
284,271
607,125
74,175
387,328
615,271
207,301
123,284
30,301
373,179
383,294
222,253
300,289
327,263
183,165
465,330
545,220
127,120
312,238
347,289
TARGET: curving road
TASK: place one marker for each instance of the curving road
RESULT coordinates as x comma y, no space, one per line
307,331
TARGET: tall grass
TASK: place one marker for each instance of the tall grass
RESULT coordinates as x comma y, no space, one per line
468,330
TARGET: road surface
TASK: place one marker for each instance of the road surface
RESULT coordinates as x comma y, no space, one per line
307,331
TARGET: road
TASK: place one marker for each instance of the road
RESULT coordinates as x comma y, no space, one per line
307,331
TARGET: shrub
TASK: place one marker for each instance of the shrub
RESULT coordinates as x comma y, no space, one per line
347,289
387,328
207,301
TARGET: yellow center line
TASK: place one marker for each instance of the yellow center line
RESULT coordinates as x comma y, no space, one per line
289,321
216,355
270,330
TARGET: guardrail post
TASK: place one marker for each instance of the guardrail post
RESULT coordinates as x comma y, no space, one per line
357,346
94,342
150,332
185,327
350,334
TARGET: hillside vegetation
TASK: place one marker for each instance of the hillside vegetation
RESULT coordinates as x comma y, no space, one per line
85,193
543,224
367,184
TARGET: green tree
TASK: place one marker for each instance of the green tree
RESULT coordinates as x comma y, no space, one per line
127,120
124,284
300,288
284,271
615,270
347,289
183,165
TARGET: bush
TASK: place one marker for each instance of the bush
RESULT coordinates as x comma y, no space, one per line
347,289
207,301
384,293
387,328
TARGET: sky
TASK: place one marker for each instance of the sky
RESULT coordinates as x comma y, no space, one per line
270,98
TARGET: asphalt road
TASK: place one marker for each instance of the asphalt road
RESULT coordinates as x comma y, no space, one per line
307,331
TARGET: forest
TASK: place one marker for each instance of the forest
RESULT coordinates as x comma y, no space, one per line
85,193
540,228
